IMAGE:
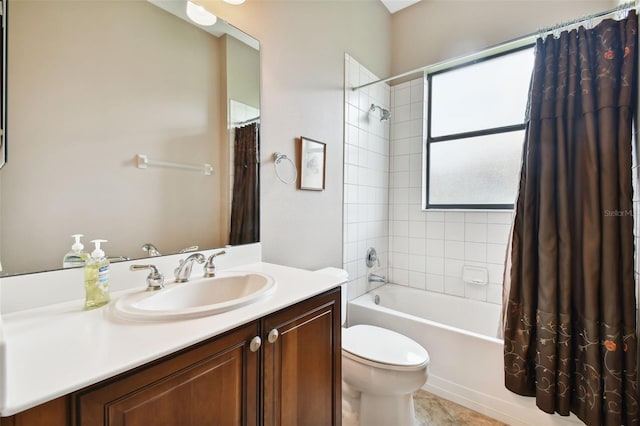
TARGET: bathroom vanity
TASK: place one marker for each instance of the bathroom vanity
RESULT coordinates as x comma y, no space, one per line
274,362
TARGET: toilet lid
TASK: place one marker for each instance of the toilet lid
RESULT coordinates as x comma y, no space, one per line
383,346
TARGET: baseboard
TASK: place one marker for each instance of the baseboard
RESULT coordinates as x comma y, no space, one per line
521,412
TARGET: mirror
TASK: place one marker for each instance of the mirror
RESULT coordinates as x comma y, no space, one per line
91,86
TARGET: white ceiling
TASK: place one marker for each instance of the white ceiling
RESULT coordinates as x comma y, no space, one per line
395,5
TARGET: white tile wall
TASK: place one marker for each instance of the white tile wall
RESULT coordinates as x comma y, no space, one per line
428,250
366,182
383,196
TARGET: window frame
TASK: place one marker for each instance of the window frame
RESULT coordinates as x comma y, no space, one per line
463,135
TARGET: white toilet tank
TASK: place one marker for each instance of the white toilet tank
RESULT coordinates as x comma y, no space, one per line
342,275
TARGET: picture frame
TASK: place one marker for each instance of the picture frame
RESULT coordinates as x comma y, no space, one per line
313,155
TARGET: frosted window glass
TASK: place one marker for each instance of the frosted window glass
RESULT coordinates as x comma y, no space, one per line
489,94
479,170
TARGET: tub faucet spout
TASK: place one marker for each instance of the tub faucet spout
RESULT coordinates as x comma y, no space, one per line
375,278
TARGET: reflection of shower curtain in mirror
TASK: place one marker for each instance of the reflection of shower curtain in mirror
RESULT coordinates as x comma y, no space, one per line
245,206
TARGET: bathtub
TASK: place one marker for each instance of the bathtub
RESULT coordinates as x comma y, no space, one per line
460,336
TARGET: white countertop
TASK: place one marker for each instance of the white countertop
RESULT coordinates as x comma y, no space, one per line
56,349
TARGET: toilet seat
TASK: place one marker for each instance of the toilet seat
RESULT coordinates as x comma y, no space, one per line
382,348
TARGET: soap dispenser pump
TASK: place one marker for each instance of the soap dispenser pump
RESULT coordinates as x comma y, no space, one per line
96,278
76,257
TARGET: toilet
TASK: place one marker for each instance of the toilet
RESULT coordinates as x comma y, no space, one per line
380,371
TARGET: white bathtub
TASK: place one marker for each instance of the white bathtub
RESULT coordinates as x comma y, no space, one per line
466,357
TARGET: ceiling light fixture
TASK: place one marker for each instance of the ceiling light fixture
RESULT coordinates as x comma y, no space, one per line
200,15
234,1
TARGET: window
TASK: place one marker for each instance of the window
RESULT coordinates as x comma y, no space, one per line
475,131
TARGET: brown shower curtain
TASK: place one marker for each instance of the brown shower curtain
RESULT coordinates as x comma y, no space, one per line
570,327
245,206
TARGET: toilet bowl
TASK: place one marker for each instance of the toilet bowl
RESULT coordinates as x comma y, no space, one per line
380,371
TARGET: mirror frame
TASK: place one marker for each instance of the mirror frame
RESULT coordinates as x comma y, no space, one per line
4,5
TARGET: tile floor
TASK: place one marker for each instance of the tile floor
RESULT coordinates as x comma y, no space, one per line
434,411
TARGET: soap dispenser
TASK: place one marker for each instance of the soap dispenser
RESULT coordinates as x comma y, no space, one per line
96,278
76,257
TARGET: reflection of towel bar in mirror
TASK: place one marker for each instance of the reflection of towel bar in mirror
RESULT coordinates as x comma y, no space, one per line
143,162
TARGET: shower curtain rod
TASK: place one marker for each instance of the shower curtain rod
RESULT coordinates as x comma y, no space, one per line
502,47
249,121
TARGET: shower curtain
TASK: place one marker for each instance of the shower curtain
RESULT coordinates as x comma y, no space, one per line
570,327
245,205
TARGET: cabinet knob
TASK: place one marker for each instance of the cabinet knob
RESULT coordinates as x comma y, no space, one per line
273,335
255,344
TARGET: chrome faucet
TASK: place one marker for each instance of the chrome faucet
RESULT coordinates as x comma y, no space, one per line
210,267
375,278
188,249
183,271
151,250
155,280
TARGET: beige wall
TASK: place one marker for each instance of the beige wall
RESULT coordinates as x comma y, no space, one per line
435,30
302,46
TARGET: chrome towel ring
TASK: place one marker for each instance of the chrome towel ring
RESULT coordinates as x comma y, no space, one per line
290,172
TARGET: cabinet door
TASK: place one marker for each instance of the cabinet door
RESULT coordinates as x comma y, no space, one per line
215,383
302,363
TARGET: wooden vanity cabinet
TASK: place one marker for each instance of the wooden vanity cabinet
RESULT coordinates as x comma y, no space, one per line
52,413
302,364
215,383
293,378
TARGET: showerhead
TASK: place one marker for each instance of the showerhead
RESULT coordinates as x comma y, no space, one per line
385,114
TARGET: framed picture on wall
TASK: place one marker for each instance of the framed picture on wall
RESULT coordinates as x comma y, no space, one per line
313,155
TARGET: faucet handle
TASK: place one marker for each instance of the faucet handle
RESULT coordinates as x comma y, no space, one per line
113,259
210,266
372,257
155,280
188,249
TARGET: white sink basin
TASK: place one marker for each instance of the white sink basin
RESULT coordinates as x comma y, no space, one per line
197,298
